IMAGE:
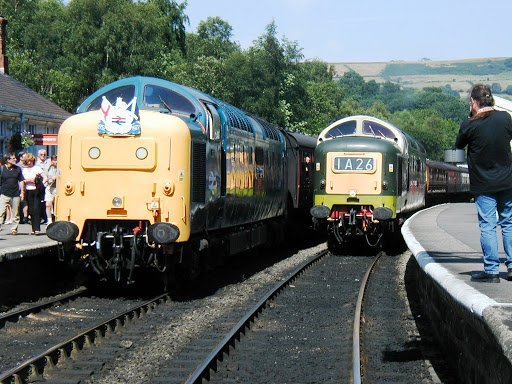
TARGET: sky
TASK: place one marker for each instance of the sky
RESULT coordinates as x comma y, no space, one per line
369,30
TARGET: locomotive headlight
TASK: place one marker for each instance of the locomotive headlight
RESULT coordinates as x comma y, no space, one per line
94,153
141,153
117,202
384,185
352,193
322,184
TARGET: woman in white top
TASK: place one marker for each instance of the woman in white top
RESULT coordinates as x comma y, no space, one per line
34,196
51,188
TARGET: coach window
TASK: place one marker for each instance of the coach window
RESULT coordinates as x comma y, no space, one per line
214,123
344,129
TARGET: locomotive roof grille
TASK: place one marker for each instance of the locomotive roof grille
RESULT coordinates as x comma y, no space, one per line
270,130
236,119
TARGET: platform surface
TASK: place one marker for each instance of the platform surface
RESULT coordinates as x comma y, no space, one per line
23,244
445,240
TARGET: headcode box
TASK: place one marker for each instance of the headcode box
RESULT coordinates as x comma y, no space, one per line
454,156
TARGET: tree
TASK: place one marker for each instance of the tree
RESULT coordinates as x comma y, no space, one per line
213,38
426,125
352,84
448,106
496,88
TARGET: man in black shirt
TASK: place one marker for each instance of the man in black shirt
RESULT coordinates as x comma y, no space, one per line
11,190
487,134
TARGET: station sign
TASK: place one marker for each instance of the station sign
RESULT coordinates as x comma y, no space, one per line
45,139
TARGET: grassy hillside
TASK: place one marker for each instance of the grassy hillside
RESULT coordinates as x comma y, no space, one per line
459,74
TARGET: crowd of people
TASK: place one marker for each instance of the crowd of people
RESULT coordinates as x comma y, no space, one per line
27,190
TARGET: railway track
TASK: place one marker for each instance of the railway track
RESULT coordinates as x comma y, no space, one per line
285,346
217,355
39,365
92,354
15,315
284,324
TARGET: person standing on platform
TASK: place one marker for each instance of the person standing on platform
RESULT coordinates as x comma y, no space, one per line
51,189
23,203
11,190
34,190
41,160
487,134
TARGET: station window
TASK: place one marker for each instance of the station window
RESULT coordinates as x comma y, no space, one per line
3,128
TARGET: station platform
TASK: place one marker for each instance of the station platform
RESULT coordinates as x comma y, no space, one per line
23,244
445,240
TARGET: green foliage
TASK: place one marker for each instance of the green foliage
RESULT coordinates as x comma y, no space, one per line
496,88
426,125
92,42
14,144
67,51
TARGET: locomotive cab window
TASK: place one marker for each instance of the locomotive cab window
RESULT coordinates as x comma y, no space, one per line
159,97
214,123
126,92
374,129
347,128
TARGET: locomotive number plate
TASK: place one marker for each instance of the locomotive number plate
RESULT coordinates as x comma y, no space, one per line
354,164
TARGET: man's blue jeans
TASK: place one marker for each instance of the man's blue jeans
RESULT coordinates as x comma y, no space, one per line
489,207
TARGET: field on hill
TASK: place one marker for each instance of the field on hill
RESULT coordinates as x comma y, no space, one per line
459,74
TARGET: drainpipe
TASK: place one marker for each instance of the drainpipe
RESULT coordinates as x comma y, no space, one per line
15,126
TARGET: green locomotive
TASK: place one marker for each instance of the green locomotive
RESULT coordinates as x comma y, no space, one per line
369,175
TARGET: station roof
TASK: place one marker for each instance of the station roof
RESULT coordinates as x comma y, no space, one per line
17,99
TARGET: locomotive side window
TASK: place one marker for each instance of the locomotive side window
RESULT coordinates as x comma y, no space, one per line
213,121
374,129
126,92
159,97
347,128
260,157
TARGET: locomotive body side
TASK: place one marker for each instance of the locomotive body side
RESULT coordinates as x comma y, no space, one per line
369,175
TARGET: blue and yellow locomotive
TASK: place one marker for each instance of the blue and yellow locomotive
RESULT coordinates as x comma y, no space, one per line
155,174
368,176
